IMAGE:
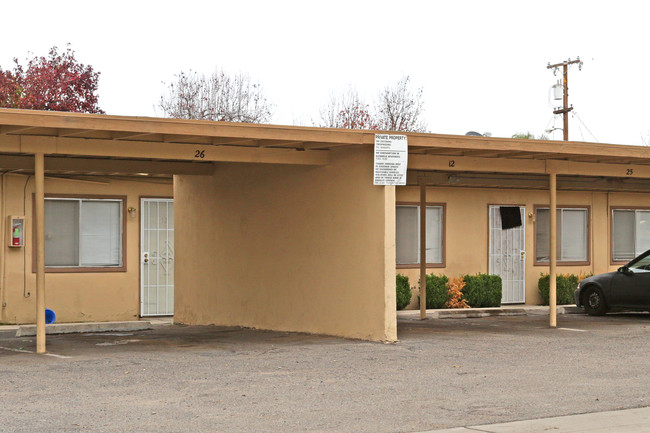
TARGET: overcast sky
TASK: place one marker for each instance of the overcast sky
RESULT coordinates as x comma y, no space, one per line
482,64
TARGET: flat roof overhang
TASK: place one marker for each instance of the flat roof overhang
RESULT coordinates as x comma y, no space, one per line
120,145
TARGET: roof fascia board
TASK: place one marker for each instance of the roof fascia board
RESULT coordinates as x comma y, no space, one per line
536,166
97,165
534,146
163,151
202,128
459,180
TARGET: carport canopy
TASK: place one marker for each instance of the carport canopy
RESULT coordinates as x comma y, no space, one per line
69,144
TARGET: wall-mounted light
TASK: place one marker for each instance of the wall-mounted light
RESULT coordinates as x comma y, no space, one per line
132,211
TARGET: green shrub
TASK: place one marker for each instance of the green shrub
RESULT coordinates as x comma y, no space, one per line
403,291
482,290
437,291
565,286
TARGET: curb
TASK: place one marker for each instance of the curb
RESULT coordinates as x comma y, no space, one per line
624,420
471,313
70,328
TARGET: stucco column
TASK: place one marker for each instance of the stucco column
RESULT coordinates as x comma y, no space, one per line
423,249
553,251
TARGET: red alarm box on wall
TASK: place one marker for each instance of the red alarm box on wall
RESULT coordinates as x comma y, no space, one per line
16,231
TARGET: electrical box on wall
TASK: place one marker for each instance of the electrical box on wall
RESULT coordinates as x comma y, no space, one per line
16,231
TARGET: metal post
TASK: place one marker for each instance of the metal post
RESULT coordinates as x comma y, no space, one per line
423,249
39,245
552,252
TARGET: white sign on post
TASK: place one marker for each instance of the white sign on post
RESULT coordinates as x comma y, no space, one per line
391,159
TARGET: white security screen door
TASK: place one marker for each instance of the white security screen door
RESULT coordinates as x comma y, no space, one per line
508,256
156,257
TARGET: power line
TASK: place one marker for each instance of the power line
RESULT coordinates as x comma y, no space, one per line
575,114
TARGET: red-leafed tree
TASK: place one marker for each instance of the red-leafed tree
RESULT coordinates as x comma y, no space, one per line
54,83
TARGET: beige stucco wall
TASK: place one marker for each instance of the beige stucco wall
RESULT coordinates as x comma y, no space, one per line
291,248
467,229
74,297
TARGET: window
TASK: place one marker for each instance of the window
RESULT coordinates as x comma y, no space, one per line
630,233
83,233
572,235
408,235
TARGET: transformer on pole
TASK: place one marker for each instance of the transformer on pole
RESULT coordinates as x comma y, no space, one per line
564,88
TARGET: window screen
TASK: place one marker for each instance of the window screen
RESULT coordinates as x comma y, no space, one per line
83,233
408,234
61,233
642,238
572,235
100,234
630,233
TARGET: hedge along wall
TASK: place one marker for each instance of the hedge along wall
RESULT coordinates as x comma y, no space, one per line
403,291
437,291
566,284
481,290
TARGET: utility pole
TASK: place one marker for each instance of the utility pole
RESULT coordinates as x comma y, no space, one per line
565,109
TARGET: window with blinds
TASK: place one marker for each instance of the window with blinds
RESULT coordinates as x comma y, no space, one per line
572,235
83,233
407,234
630,233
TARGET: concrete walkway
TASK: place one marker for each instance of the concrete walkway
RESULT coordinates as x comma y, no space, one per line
628,421
504,310
147,323
86,327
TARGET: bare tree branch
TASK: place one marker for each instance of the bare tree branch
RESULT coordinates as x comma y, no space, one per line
529,136
218,97
347,111
400,109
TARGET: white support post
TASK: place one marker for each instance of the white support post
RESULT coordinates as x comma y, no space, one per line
552,252
423,249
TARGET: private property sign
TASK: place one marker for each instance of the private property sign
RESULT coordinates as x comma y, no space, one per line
391,159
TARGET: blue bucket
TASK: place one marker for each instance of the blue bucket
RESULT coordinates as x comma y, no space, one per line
50,317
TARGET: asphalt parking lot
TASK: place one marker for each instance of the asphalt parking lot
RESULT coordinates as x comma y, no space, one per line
442,373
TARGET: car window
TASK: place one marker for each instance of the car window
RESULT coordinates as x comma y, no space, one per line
643,264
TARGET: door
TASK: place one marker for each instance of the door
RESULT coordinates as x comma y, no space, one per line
156,257
631,288
508,256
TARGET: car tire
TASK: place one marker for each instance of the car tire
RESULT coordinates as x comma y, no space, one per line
594,301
